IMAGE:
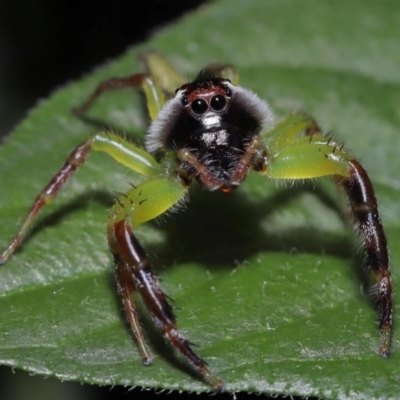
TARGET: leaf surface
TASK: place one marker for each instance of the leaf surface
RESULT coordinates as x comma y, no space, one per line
267,278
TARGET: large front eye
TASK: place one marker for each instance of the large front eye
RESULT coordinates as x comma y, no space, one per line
218,102
199,106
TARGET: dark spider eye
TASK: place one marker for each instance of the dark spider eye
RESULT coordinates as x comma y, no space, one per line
184,101
218,102
228,92
199,106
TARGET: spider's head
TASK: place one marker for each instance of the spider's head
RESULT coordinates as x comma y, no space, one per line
213,120
207,104
206,98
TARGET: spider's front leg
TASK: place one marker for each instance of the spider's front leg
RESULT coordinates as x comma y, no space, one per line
118,148
135,207
290,156
134,272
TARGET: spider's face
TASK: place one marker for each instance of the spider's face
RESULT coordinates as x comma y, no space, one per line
212,119
206,101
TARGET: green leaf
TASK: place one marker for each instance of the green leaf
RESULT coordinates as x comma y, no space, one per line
265,278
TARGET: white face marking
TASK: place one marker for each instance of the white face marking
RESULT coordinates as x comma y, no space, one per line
211,120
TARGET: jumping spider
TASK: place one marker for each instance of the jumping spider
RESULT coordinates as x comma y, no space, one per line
213,132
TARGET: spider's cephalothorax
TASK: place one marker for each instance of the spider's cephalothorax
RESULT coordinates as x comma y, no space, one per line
214,127
214,131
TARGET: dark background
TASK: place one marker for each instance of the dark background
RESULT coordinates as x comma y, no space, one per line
44,44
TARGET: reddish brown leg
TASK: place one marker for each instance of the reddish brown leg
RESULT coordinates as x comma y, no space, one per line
364,208
135,273
127,292
133,81
245,162
74,160
205,175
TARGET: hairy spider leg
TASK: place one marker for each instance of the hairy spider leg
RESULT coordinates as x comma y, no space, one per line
160,82
152,91
364,207
164,74
207,178
132,204
291,156
124,152
133,208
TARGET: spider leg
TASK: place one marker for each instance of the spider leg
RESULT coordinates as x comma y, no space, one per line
121,150
205,175
289,128
319,155
166,76
160,81
132,81
134,272
246,161
127,293
364,207
154,94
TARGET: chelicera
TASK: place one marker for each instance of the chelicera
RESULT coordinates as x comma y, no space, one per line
214,132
